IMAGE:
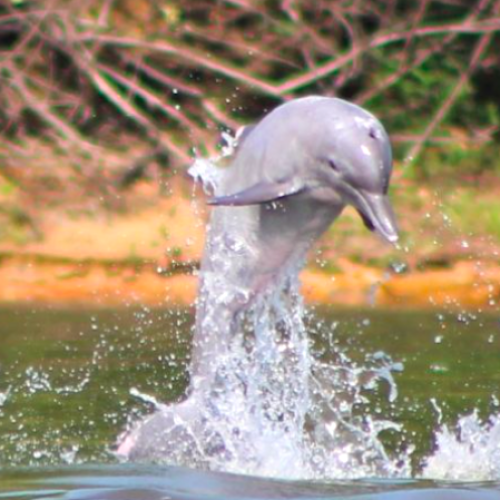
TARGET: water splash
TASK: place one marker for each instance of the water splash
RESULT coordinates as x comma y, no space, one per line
468,452
4,396
261,402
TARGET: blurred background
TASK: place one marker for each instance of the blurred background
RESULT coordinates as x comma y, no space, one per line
105,103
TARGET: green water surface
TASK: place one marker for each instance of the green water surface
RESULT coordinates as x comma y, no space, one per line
66,375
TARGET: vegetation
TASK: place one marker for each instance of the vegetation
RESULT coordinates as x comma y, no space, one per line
97,95
160,77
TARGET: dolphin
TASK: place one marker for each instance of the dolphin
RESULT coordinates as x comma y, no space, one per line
291,176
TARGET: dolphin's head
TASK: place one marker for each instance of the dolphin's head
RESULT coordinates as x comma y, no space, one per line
326,148
355,166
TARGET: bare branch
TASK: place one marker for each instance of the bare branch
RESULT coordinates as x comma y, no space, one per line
187,54
219,115
152,99
45,113
452,96
304,79
380,41
162,77
114,96
71,63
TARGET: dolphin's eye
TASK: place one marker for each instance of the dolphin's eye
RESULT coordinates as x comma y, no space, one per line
334,166
373,133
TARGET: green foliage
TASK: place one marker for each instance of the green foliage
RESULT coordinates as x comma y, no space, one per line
455,163
473,214
7,187
173,73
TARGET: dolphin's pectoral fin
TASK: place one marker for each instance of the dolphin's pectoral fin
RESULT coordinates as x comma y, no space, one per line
262,192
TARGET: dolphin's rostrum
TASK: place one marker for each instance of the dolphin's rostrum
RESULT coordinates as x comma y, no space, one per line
291,176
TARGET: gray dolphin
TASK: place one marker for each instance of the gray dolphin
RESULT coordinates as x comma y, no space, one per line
292,175
330,150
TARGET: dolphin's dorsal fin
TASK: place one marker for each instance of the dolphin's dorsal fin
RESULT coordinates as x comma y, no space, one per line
262,192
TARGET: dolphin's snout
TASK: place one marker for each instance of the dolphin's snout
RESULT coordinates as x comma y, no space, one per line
377,214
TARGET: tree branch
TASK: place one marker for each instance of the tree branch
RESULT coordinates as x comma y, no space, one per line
302,80
452,96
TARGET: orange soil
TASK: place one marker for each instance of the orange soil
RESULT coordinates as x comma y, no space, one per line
121,259
27,280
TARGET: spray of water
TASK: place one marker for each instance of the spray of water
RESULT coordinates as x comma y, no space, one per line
260,401
4,396
468,452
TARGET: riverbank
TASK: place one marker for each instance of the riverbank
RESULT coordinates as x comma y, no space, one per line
39,280
147,252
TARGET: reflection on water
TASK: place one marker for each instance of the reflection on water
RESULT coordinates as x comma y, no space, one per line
67,379
174,483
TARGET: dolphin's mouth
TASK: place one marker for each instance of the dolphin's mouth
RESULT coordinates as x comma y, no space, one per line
377,214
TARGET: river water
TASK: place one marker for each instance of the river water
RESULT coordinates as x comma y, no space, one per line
72,380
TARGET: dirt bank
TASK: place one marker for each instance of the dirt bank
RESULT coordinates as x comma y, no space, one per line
34,279
147,252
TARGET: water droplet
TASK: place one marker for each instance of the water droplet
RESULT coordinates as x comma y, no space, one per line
399,267
437,368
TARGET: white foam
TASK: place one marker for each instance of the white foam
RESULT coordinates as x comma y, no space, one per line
4,396
274,409
468,452
271,407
